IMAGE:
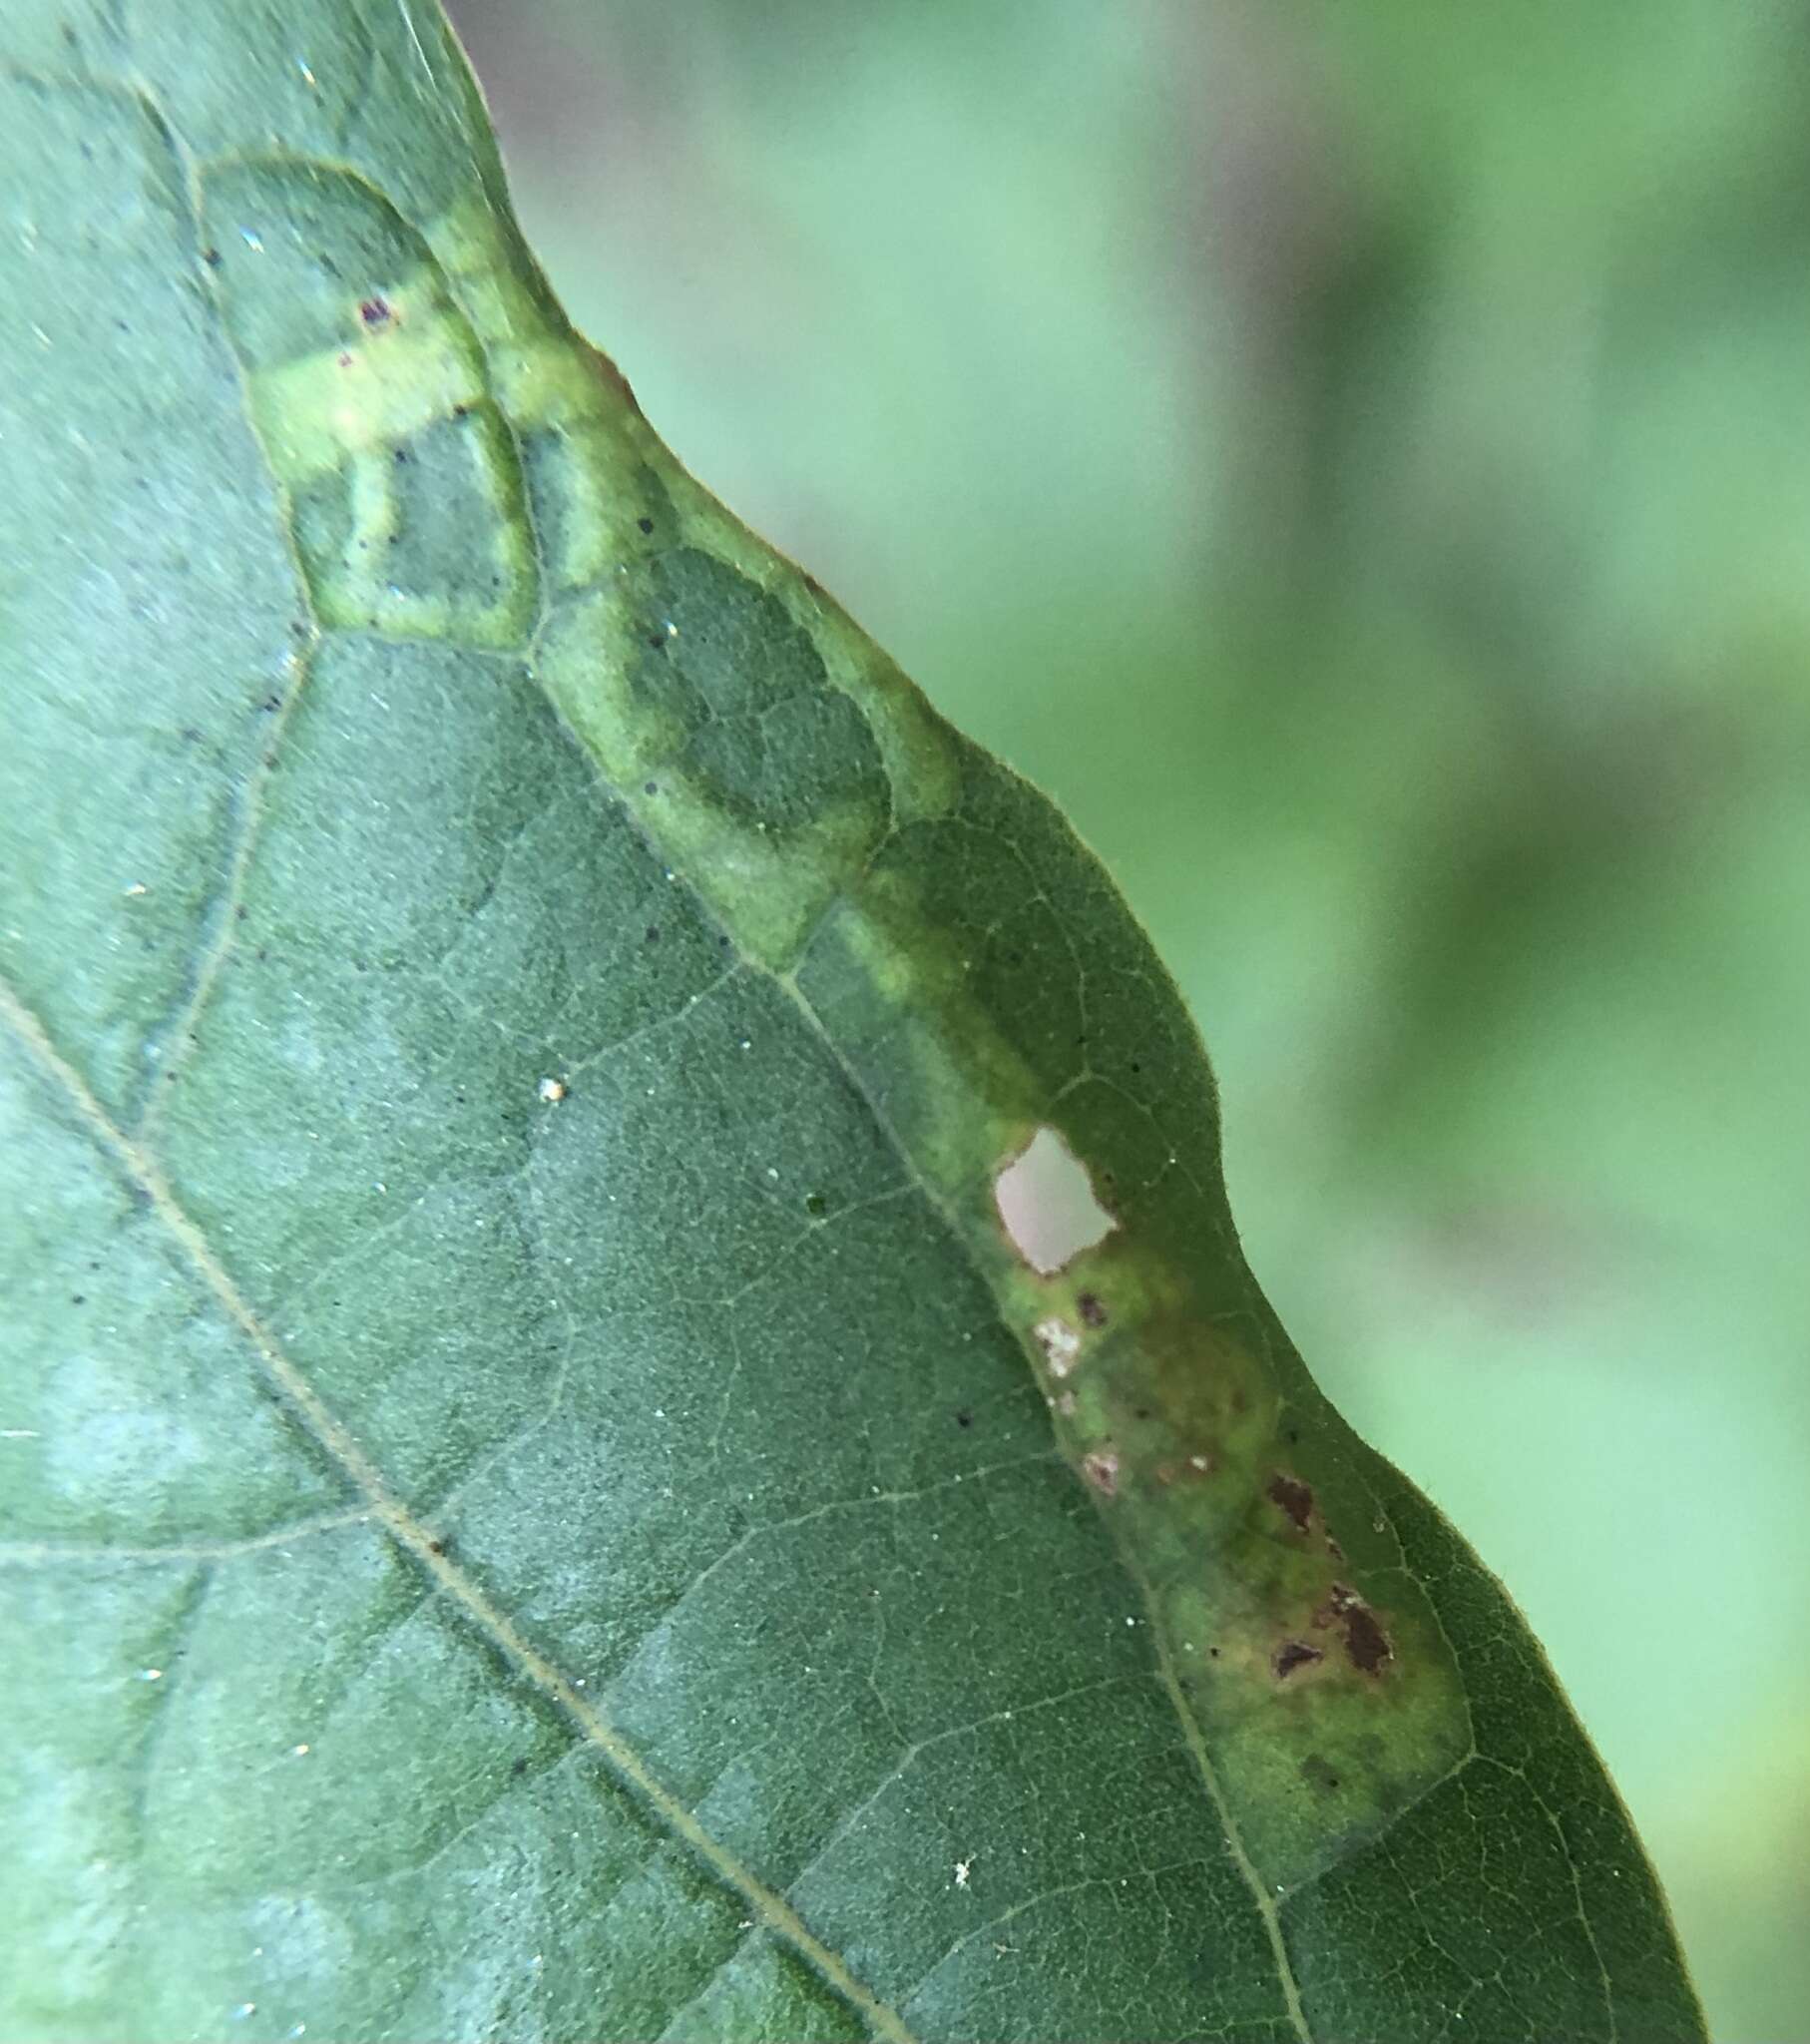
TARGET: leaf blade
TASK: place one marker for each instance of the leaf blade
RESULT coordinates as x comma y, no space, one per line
453,901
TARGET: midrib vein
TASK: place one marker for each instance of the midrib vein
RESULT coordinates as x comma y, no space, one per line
396,1519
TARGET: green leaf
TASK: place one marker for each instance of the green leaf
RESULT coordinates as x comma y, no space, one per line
549,1490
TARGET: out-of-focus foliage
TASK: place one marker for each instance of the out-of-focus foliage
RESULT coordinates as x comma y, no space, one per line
1359,459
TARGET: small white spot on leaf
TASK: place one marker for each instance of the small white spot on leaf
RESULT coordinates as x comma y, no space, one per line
552,1091
1060,1343
1048,1205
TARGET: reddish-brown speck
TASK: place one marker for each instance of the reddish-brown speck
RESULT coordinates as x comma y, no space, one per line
1100,1468
373,311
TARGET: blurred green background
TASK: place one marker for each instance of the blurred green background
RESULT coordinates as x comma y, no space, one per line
1356,457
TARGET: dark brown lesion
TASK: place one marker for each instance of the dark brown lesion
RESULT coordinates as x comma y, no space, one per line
1092,1309
1292,1497
1366,1644
1294,1654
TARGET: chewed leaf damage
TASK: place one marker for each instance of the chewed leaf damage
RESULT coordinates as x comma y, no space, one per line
1048,1205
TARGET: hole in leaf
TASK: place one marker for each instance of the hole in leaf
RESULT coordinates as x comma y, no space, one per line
1048,1205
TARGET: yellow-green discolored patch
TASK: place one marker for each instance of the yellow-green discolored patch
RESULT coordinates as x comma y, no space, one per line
370,394
1324,1696
609,494
711,710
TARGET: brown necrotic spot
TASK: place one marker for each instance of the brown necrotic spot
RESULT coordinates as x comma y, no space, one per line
1091,1309
1366,1644
374,312
1294,1654
1290,1495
